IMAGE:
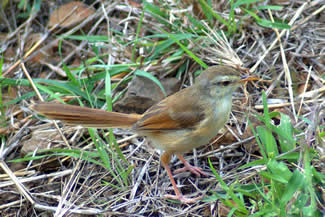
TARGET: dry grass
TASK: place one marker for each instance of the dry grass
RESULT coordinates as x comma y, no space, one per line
291,65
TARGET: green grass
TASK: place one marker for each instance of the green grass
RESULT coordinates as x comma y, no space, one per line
283,188
2,109
288,186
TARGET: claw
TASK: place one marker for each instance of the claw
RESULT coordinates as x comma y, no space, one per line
195,170
165,157
183,199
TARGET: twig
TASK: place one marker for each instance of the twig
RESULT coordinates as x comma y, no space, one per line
299,11
286,69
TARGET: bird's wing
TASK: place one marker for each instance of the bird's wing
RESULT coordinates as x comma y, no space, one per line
171,115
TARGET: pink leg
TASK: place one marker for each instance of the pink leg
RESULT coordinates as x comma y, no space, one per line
195,170
165,160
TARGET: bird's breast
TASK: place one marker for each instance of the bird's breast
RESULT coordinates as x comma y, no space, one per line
184,140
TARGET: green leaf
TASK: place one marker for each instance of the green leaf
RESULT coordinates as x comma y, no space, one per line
163,46
301,201
267,23
209,11
108,91
309,211
253,163
275,25
271,176
271,7
239,204
253,14
244,2
89,38
20,98
266,114
71,76
211,198
287,141
196,23
85,155
294,184
137,37
154,9
156,12
268,141
292,156
1,63
47,90
279,170
222,183
258,141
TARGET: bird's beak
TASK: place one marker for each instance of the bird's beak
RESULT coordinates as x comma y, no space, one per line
245,78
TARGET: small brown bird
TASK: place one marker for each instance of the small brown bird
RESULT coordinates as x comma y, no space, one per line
185,120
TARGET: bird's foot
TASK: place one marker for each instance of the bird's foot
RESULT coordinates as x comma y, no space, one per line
183,199
195,170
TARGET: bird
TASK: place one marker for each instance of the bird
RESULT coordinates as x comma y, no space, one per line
185,120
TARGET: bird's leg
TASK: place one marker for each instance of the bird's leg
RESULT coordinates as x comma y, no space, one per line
195,170
165,158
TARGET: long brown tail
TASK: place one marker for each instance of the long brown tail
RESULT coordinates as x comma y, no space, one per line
87,117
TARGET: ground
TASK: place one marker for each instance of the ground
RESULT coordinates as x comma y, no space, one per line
123,55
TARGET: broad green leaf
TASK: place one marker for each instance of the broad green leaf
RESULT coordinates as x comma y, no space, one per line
258,141
271,176
294,184
287,141
279,169
268,141
289,156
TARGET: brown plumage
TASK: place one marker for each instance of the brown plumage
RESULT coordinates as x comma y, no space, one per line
87,117
179,123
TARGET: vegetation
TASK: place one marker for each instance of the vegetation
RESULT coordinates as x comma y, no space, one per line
269,161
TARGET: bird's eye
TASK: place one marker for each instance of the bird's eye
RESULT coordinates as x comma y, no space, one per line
222,83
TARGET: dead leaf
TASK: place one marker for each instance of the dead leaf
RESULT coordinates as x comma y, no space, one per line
42,54
143,93
135,3
39,140
224,210
44,137
280,2
70,14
